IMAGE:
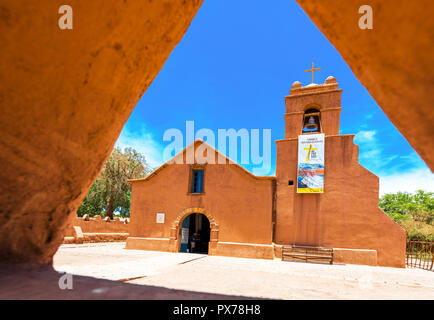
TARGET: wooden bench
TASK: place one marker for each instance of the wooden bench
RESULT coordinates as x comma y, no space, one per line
307,254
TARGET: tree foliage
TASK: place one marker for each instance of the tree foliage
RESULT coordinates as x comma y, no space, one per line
414,212
111,191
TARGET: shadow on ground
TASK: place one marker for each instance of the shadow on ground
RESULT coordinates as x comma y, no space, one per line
43,283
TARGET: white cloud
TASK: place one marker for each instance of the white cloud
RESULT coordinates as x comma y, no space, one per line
371,153
365,136
407,181
143,141
369,116
397,172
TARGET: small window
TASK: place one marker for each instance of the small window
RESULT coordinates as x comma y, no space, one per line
197,183
311,121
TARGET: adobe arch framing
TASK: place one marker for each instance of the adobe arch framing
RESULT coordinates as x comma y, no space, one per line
174,241
107,62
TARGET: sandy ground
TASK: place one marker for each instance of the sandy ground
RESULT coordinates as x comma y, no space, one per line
243,277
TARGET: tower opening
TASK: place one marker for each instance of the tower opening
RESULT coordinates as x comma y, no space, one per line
311,121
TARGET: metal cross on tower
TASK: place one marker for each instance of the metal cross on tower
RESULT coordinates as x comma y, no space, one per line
312,70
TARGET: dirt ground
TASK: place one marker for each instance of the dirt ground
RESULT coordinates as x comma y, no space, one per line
255,278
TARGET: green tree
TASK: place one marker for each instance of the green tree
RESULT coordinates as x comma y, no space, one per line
92,203
393,203
111,191
414,212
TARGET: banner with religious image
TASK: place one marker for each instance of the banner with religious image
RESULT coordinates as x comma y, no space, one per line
310,171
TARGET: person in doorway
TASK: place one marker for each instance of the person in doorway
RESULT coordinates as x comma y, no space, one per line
195,240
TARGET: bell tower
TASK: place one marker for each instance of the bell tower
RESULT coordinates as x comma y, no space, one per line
311,109
314,108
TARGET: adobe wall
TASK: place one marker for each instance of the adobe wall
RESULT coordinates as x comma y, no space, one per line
64,98
346,215
239,204
98,225
393,61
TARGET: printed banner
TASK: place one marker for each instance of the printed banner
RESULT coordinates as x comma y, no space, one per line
310,172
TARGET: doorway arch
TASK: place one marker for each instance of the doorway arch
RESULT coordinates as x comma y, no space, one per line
194,234
175,230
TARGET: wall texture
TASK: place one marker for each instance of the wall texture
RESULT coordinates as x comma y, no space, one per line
64,98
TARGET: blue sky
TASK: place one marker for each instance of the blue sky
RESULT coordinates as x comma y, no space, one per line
233,68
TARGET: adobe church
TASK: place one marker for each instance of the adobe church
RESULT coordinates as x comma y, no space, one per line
319,197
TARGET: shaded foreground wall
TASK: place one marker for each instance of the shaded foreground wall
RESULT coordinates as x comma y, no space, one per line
64,98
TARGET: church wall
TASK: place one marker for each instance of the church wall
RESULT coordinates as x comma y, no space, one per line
239,203
346,215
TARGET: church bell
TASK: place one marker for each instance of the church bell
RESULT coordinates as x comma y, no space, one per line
311,124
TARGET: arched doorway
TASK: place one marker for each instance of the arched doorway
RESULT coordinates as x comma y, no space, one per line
194,234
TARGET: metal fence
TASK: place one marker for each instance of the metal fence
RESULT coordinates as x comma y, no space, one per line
420,254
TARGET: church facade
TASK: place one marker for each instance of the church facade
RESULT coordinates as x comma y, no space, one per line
220,208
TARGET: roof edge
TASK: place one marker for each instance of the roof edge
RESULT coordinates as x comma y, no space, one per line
170,161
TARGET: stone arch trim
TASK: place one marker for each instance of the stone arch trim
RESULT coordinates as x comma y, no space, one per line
214,227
